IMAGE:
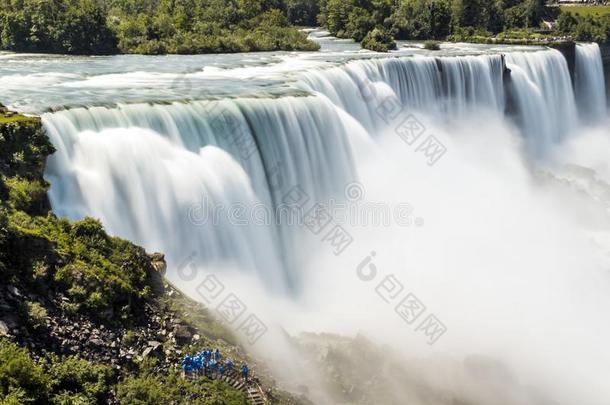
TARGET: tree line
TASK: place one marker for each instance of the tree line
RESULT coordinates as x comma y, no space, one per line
455,19
211,26
148,26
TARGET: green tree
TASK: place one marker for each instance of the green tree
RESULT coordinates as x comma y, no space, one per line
359,23
302,12
20,377
379,40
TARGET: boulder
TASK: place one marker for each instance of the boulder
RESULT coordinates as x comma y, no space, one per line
158,262
4,330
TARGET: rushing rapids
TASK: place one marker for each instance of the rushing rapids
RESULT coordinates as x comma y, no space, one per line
205,181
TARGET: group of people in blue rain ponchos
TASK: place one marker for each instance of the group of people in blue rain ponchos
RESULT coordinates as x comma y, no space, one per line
208,362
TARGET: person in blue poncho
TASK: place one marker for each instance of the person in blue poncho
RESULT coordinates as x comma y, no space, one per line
197,363
244,371
206,367
187,364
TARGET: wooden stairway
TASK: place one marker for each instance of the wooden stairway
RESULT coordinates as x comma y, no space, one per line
252,390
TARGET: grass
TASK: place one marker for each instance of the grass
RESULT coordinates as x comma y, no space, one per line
17,118
586,10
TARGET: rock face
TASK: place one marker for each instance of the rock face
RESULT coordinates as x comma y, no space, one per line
605,50
157,332
568,49
158,262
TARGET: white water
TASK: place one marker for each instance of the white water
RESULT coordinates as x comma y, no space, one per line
590,93
506,257
544,98
161,186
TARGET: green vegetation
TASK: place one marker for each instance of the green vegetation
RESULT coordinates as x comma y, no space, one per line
50,380
190,26
21,379
153,26
585,27
432,45
69,380
147,388
37,315
483,21
89,266
586,10
54,270
430,19
302,12
378,40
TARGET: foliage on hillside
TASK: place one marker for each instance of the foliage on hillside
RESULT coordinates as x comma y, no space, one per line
103,275
491,21
588,27
152,26
70,289
70,380
428,19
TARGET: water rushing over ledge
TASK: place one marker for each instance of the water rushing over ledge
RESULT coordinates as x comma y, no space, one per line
489,234
112,162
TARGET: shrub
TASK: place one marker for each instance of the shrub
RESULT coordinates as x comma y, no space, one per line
21,379
432,45
378,40
148,389
23,148
75,380
27,195
36,315
145,390
130,337
100,274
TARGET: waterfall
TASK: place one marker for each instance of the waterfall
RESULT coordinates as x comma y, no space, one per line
447,87
437,85
544,98
151,172
589,83
509,255
182,178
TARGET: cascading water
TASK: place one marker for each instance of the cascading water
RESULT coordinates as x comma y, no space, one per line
544,98
437,85
309,139
156,174
588,83
202,158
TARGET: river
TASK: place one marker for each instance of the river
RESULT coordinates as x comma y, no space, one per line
448,203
